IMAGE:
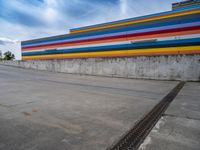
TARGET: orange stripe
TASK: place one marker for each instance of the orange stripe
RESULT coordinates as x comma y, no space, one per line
122,39
124,55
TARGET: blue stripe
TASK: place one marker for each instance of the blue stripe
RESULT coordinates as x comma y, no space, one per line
189,18
121,29
121,46
127,32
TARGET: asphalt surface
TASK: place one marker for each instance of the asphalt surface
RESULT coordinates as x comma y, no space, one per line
45,110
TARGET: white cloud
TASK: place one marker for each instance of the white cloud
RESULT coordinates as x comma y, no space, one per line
4,41
123,7
57,17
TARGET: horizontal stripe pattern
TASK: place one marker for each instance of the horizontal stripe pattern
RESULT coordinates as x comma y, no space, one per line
159,28
137,34
166,38
169,43
168,33
121,53
152,24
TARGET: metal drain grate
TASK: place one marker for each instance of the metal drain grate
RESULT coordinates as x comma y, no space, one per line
133,139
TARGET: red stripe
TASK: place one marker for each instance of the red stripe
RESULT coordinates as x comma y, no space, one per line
118,36
131,38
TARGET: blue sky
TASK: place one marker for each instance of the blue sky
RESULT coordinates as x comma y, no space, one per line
28,19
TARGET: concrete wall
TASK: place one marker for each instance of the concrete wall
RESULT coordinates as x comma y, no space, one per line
174,67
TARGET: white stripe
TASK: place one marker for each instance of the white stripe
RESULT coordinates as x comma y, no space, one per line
121,33
123,42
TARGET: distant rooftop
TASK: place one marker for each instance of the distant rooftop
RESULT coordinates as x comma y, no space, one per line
185,3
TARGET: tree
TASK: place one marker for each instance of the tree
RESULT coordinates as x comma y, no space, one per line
8,56
0,55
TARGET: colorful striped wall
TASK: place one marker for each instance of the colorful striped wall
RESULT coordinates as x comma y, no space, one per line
167,33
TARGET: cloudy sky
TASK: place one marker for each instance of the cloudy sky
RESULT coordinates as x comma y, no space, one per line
27,19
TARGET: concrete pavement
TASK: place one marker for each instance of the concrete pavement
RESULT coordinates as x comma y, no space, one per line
45,110
179,128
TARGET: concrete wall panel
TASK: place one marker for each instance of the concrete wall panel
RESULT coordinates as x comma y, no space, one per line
169,67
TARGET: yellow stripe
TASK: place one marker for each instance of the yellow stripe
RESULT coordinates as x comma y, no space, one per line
136,21
138,51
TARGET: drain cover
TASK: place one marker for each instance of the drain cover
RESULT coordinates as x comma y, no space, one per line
133,139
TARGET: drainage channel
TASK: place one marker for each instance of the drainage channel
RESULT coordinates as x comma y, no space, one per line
133,139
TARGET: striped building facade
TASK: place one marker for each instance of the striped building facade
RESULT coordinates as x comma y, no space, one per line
167,33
